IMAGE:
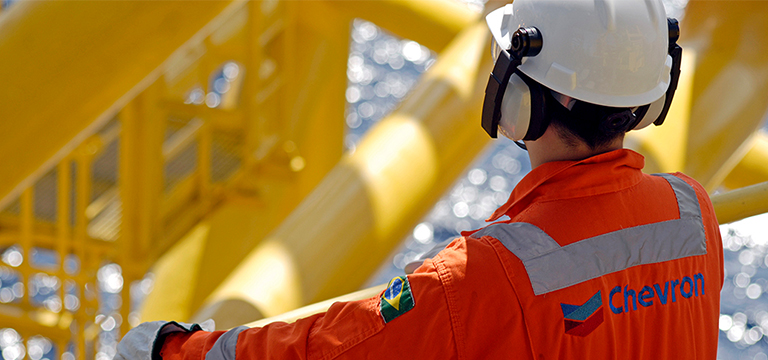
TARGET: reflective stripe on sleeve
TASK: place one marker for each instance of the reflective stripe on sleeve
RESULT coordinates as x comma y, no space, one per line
224,347
552,267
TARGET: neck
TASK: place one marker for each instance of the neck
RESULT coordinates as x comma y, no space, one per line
553,147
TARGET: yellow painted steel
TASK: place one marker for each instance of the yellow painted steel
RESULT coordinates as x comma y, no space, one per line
314,144
319,307
753,168
64,65
741,203
362,209
433,23
731,83
137,161
727,94
294,146
665,147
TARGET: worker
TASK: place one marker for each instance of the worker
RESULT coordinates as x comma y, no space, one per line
589,257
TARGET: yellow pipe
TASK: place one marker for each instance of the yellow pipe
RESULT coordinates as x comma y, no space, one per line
362,209
741,203
319,307
753,168
432,23
730,83
664,147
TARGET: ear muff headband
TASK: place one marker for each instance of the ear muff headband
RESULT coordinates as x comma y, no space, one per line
677,55
494,91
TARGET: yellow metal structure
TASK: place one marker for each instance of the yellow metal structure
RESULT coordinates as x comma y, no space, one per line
65,65
741,203
234,228
752,168
145,149
319,307
182,136
371,199
725,103
151,159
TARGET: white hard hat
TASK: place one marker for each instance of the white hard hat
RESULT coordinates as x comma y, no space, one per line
616,53
605,52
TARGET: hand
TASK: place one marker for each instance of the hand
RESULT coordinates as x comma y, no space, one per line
145,341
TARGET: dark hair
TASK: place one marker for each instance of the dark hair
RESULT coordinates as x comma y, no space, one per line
594,125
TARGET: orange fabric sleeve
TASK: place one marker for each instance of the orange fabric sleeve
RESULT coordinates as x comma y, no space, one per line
348,330
193,345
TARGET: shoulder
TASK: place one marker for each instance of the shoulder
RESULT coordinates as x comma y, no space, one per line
691,181
468,262
455,255
701,193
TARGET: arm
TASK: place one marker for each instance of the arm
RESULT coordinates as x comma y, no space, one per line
387,324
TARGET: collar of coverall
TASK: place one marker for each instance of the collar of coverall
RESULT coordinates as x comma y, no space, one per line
599,174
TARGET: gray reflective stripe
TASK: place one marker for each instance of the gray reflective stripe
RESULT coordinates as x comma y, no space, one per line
552,267
687,201
224,347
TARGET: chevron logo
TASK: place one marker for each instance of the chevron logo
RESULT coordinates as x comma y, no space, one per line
581,320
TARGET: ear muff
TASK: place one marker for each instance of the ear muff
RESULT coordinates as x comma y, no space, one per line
657,110
523,115
525,42
515,109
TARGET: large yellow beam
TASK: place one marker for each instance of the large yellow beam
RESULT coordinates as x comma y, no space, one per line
319,307
730,83
721,99
362,209
753,167
66,67
665,147
433,23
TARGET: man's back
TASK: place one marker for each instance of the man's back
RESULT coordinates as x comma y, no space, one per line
621,278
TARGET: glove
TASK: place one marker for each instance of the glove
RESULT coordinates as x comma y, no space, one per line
145,341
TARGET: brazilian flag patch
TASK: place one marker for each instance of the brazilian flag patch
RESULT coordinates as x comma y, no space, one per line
397,299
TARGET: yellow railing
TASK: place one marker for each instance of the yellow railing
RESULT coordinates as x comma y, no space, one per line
79,237
90,211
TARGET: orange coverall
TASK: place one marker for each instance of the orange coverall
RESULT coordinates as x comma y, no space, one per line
597,260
